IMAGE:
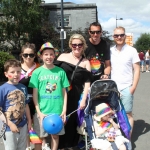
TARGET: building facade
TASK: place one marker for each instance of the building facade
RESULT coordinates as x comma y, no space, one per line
129,39
76,16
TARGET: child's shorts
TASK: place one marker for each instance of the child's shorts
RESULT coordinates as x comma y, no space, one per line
39,129
16,140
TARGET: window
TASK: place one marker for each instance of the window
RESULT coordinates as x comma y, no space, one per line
66,21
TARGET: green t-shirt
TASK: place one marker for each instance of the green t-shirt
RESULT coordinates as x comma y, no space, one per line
49,83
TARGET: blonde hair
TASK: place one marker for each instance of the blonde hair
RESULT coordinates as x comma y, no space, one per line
80,37
119,27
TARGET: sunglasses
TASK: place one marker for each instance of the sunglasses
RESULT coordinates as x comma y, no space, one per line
75,45
117,35
26,55
93,32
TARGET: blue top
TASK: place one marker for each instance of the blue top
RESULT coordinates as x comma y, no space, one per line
13,100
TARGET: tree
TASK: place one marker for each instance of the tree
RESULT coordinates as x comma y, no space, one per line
21,21
143,42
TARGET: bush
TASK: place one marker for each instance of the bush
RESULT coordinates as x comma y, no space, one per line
4,56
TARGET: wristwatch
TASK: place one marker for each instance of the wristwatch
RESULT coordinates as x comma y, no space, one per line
107,75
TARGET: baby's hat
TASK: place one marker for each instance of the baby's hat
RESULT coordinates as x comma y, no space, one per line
102,110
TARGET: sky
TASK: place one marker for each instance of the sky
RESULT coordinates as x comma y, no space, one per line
135,14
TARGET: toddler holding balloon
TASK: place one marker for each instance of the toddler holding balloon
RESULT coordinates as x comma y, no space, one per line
50,98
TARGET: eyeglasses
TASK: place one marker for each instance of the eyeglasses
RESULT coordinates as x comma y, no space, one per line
75,45
117,35
93,32
26,55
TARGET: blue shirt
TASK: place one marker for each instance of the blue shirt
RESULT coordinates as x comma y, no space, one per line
13,100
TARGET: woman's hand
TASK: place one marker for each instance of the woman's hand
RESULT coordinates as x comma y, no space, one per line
82,104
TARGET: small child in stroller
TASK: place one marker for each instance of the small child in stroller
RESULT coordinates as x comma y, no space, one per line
106,130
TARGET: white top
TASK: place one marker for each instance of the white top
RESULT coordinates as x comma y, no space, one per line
147,56
122,65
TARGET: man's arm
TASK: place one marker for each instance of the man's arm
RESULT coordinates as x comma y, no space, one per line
136,77
106,70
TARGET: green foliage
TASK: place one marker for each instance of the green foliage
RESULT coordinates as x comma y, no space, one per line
143,42
21,21
4,56
49,34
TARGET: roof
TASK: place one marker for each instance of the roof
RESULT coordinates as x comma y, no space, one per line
68,5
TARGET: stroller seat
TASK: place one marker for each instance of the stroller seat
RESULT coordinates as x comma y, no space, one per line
105,91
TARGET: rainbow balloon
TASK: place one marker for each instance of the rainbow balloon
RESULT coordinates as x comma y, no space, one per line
34,139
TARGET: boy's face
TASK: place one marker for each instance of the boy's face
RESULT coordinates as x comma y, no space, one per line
13,74
48,56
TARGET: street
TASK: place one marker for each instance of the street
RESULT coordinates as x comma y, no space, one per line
141,114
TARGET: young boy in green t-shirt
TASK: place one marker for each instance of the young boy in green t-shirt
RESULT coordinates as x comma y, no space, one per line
49,93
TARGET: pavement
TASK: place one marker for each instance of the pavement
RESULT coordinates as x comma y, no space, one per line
141,113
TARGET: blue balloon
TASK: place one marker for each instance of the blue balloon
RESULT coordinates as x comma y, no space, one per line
52,124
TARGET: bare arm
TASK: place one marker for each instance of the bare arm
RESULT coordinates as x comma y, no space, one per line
28,117
88,66
63,114
86,88
35,98
107,69
113,123
99,130
12,126
136,77
61,57
85,93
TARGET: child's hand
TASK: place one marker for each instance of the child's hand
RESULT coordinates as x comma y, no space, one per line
63,116
110,120
29,126
41,115
14,128
105,129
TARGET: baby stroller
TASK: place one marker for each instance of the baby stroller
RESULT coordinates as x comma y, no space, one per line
105,91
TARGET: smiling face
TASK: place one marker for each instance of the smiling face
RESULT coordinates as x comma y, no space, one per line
28,56
95,34
119,36
48,57
13,74
77,47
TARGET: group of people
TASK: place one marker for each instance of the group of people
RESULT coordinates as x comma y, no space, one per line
144,60
34,91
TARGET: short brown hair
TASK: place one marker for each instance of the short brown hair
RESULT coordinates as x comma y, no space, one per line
95,24
11,63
